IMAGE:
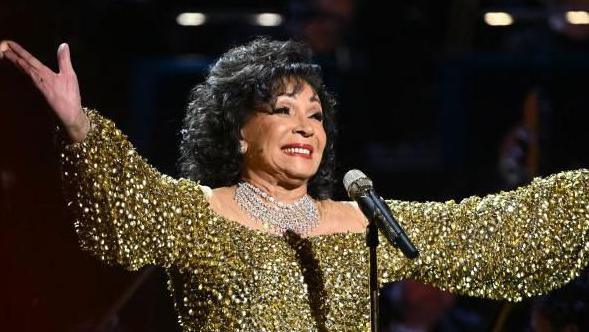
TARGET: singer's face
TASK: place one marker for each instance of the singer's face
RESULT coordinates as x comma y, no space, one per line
286,142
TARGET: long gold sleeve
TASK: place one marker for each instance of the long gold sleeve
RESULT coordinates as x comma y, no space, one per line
508,245
125,211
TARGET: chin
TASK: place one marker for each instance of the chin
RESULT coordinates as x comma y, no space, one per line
297,169
299,175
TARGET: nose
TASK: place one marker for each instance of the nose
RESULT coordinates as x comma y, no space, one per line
303,127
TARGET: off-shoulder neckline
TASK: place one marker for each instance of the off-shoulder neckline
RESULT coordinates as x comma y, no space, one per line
228,222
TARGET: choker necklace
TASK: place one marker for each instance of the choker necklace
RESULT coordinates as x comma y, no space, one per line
300,216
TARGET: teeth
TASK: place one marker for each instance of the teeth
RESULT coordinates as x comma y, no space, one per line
297,150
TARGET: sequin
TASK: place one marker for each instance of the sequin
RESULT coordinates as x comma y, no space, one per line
224,276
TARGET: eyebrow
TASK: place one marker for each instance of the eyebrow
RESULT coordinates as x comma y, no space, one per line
314,97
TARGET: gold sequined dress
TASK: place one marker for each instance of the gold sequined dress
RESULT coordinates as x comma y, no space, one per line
224,276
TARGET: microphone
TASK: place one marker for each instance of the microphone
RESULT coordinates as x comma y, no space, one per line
359,188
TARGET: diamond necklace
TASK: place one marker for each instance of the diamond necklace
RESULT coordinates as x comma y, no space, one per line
300,216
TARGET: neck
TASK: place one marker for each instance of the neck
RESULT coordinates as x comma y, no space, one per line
282,191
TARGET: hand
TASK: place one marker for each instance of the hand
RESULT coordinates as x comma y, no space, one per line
61,90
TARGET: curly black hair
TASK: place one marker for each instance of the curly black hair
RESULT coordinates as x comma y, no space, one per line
246,79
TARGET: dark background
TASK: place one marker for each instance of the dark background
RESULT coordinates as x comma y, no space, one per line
434,104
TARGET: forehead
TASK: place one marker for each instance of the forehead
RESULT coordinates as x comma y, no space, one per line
291,86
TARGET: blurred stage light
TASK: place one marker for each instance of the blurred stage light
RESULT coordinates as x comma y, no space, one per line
498,19
191,19
577,17
268,19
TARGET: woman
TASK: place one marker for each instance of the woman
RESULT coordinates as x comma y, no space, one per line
256,252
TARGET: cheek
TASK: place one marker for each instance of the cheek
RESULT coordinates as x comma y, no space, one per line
259,134
267,139
321,144
322,138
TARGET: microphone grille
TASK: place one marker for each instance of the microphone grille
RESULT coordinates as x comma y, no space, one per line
354,181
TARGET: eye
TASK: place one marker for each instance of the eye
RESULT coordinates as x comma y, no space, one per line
281,110
318,116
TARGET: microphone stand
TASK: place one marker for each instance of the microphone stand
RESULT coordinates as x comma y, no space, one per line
372,243
375,209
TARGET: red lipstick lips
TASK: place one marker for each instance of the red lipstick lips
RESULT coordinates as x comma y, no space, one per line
299,150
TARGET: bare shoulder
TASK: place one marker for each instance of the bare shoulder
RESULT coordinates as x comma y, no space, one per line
343,215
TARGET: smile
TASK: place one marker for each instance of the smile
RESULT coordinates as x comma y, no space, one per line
301,150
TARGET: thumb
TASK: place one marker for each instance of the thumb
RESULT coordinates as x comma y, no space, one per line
63,59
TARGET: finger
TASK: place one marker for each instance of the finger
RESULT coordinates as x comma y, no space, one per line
3,48
21,52
26,68
64,59
18,61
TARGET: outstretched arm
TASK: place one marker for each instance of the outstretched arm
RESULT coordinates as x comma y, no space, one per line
502,246
125,211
